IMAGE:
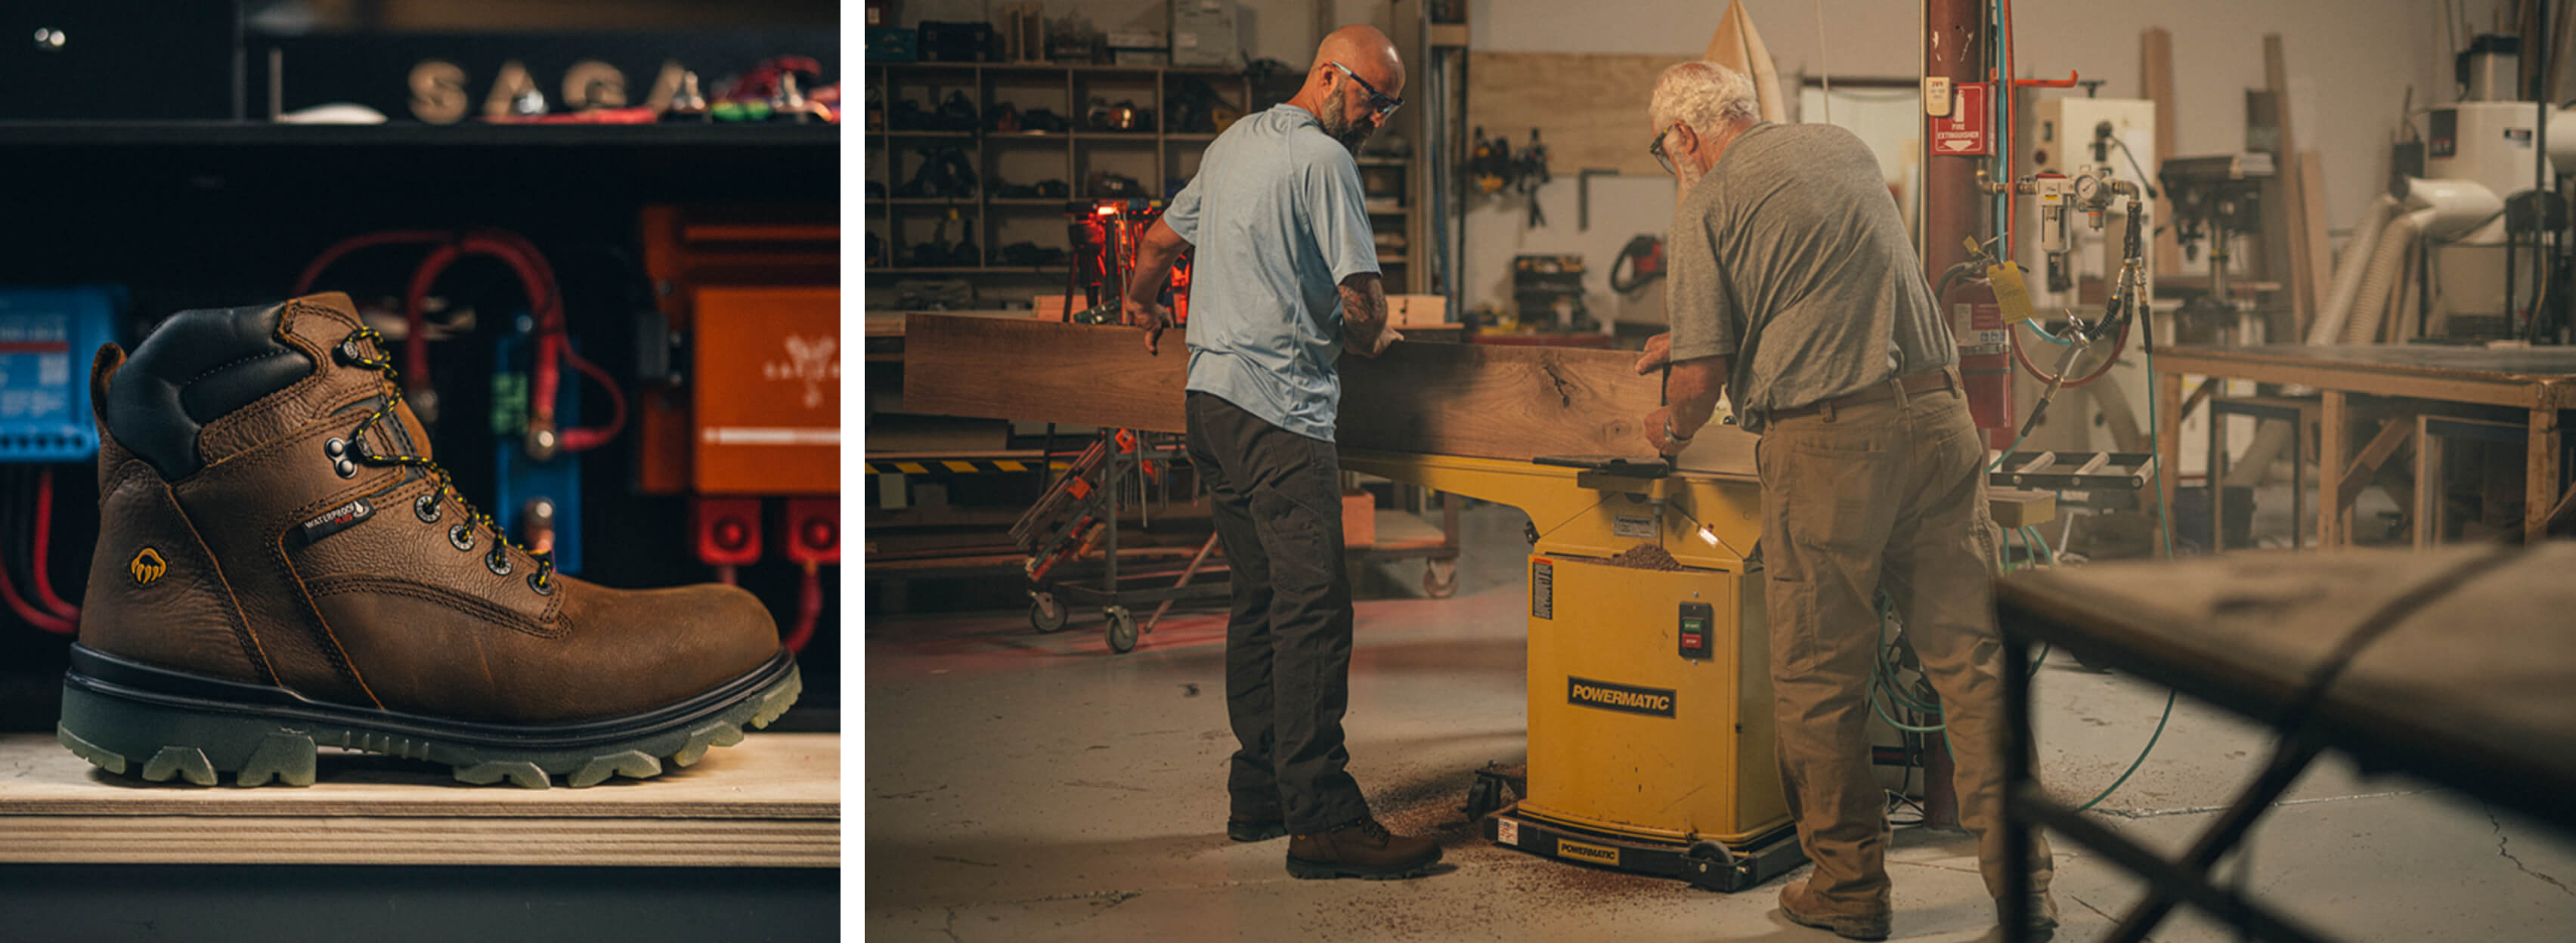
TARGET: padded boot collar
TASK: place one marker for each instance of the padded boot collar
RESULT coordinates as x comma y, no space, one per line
196,367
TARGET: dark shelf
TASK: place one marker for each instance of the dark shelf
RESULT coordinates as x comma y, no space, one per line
971,270
408,134
1222,71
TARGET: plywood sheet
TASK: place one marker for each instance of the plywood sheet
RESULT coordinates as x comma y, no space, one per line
1471,400
1589,108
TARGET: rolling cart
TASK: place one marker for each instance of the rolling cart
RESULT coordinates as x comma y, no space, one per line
1080,512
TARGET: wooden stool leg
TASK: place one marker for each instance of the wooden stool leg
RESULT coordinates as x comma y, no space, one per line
2540,485
2428,485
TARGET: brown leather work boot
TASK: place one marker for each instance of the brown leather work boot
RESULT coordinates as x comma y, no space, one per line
1361,849
1804,910
2043,914
281,566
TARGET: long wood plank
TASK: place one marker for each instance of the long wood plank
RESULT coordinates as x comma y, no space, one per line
2285,237
586,842
1042,371
772,801
2155,74
2312,230
1468,400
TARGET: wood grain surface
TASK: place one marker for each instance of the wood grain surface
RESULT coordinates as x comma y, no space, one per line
1468,400
773,801
1589,108
2465,363
2473,688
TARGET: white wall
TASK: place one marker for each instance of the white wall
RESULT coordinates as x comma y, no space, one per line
2350,63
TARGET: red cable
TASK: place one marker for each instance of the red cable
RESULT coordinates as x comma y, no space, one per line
575,440
809,607
545,304
34,616
44,530
313,272
415,367
2118,344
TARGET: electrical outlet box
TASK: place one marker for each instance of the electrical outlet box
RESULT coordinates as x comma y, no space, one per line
47,337
1936,96
813,531
726,530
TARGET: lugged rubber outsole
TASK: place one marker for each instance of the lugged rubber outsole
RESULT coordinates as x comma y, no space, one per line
161,743
1251,832
1318,871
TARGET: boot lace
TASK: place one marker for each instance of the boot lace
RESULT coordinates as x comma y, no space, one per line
1369,828
361,450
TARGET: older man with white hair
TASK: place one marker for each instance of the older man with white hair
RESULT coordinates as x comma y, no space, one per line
1794,285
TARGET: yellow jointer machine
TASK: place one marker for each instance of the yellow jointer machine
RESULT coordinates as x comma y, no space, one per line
1649,675
1650,737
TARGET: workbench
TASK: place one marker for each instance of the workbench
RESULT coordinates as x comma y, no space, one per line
2540,380
2452,665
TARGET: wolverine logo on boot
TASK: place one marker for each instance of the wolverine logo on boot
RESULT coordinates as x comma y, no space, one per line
147,566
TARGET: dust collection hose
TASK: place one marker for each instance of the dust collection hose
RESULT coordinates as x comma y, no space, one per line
2357,259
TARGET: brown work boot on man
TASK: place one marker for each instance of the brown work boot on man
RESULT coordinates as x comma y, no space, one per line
281,566
1804,910
1361,849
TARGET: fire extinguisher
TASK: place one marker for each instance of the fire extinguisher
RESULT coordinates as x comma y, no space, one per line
1985,359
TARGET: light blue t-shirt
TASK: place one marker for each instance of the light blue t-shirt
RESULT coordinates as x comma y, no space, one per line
1277,218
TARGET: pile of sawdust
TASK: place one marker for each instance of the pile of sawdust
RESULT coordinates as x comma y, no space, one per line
1646,557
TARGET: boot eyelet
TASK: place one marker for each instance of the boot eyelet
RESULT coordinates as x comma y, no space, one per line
461,536
336,448
543,587
498,562
426,508
346,468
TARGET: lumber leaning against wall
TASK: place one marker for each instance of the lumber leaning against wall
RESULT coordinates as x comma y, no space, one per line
1467,400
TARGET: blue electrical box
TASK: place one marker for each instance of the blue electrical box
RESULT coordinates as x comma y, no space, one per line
47,337
520,479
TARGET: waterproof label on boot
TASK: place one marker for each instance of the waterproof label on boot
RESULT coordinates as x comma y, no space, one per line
337,519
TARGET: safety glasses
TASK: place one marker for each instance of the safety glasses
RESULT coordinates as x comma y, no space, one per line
1657,148
1383,103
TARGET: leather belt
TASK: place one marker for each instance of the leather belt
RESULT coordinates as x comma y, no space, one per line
1916,385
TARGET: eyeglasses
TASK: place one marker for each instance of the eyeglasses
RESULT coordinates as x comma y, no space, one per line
1382,102
1657,149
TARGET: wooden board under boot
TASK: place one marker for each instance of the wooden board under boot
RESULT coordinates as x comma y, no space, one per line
772,801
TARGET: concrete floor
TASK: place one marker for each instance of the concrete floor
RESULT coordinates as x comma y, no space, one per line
1028,787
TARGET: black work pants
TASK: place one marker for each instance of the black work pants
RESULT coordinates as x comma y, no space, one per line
1278,509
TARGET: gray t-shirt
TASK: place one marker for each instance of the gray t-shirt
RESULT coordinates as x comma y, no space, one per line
1790,255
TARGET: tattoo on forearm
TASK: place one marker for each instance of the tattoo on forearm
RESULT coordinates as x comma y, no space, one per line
1363,311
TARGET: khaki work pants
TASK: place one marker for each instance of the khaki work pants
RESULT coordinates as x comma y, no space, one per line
1882,495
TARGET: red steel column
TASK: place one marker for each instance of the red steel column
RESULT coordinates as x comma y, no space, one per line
1954,47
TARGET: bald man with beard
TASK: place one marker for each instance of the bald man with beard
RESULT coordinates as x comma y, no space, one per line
1285,279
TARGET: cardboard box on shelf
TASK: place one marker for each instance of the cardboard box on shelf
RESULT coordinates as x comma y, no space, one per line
1359,518
1203,33
1405,311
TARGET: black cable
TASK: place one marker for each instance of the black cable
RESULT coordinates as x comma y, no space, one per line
2145,183
1560,525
